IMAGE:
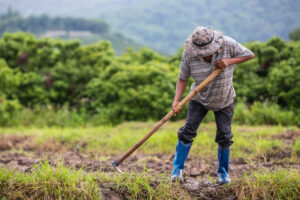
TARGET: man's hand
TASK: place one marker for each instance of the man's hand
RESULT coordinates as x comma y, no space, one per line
174,105
224,62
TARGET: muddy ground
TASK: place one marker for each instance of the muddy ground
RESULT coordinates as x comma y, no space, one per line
199,173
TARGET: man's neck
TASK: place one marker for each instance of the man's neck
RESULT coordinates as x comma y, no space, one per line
208,58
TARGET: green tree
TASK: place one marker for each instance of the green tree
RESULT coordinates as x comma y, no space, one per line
295,34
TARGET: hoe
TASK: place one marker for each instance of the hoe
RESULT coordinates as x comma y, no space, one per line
159,124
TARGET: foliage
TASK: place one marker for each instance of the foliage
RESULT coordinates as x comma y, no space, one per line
139,85
128,91
272,75
164,24
39,25
9,110
12,21
264,113
9,80
295,34
284,84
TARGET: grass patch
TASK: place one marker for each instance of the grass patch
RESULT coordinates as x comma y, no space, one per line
281,184
249,142
296,149
143,186
46,182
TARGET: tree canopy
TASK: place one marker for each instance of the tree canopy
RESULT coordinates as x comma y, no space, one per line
139,85
164,24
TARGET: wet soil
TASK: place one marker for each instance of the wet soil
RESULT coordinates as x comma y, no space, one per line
155,163
197,172
288,137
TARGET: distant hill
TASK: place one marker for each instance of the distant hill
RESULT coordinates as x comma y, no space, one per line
164,24
88,31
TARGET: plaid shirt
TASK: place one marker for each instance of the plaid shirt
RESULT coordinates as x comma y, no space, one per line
219,93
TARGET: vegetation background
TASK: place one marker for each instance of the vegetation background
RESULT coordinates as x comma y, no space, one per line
87,81
76,84
164,24
81,82
104,83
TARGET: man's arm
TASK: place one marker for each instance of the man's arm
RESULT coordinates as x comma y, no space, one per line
183,77
180,87
238,54
221,64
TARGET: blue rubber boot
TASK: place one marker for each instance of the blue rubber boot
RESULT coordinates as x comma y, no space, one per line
182,151
223,156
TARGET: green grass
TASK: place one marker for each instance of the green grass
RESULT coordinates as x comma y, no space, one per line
281,184
143,186
249,141
60,182
296,148
46,182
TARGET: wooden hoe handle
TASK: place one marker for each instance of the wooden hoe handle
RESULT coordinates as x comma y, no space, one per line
167,117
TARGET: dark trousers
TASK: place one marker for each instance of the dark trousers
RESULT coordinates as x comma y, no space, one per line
195,114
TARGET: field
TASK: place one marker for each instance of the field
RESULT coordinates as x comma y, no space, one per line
67,110
75,163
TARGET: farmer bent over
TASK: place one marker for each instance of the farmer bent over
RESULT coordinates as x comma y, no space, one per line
204,50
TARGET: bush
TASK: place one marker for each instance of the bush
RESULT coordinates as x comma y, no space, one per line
284,84
9,79
133,92
139,85
264,113
9,110
295,34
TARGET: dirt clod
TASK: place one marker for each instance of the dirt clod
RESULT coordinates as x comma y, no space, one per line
278,153
288,137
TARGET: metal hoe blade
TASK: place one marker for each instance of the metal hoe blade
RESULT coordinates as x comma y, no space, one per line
115,165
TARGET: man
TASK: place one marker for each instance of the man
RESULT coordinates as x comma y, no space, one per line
204,50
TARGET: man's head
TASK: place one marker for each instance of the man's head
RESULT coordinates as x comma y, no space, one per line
203,42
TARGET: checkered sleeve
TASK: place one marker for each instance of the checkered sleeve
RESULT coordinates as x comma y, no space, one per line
238,50
184,71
